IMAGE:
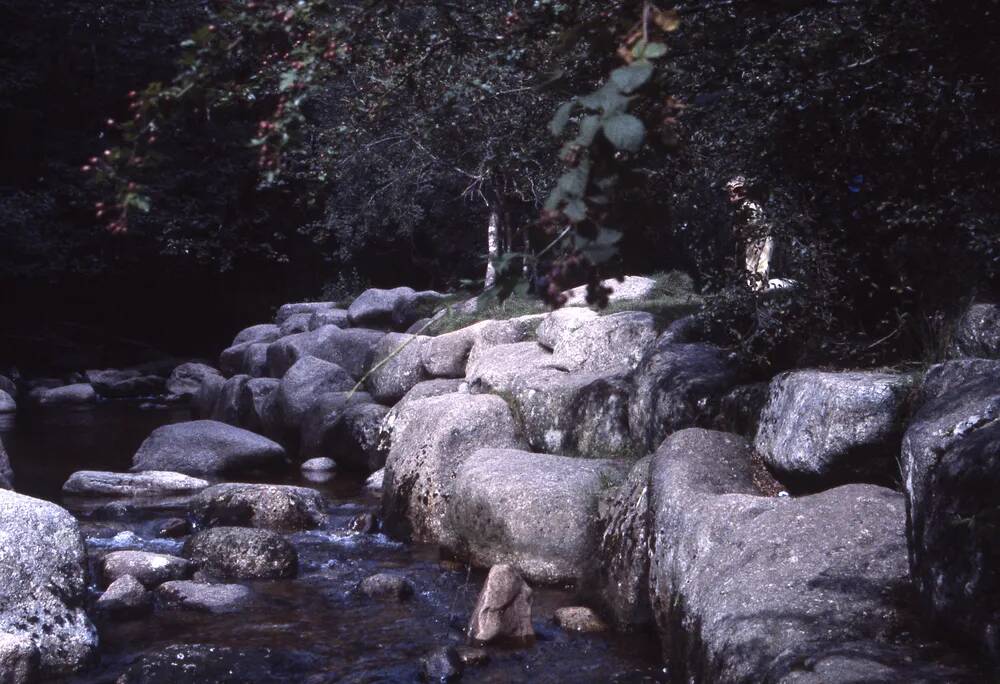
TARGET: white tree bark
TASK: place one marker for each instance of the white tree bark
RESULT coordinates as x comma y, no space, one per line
493,247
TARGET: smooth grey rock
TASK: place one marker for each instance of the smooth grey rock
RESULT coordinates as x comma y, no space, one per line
255,360
738,580
503,609
264,332
294,324
232,359
67,395
8,386
632,288
125,598
337,317
202,596
207,446
286,311
386,585
411,308
263,412
43,585
356,437
350,349
977,334
149,483
562,323
322,431
151,569
620,580
208,394
304,383
186,380
374,306
443,665
242,553
579,413
19,661
535,512
491,334
6,472
321,464
266,506
445,356
579,619
431,439
233,405
7,403
118,384
820,429
951,474
678,386
396,367
608,344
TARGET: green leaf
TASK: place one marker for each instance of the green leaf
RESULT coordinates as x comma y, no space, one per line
574,182
639,48
632,77
625,132
561,118
589,127
556,198
575,210
607,99
654,51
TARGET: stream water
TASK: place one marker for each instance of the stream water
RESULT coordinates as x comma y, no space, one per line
314,628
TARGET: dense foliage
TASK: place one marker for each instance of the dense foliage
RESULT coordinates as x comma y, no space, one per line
345,144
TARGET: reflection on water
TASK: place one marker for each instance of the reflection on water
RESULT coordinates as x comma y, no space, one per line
315,628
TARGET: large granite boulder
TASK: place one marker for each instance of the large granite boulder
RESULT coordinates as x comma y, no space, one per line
207,446
739,581
266,506
355,437
431,439
286,311
263,411
579,413
423,390
319,430
150,483
350,349
43,588
186,380
820,429
619,581
489,334
631,288
233,403
678,386
394,309
232,360
506,505
396,367
255,360
977,334
203,403
7,403
6,472
294,324
242,553
337,317
608,344
118,384
67,395
306,381
951,474
264,332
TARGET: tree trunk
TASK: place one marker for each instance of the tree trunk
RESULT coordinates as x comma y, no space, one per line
493,247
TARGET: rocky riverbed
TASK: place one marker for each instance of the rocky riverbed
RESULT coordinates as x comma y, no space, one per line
647,511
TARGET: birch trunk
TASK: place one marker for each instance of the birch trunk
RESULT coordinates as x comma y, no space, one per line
493,247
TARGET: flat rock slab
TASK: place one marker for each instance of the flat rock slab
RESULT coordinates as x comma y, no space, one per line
151,569
535,512
150,483
207,447
266,506
202,596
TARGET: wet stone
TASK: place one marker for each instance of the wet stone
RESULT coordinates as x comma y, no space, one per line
386,585
443,665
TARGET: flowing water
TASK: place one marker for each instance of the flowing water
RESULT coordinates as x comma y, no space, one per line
315,628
